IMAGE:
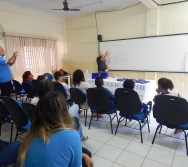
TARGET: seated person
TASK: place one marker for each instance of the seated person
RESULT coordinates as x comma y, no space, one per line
27,76
51,140
164,85
129,84
79,82
99,83
8,152
58,78
42,77
46,86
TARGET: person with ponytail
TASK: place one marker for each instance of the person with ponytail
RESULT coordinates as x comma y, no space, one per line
51,141
165,87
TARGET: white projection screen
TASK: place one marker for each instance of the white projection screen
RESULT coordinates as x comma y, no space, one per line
161,53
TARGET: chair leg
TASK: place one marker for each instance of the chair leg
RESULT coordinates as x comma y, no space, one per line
16,135
12,125
186,142
117,125
148,125
159,126
111,123
140,131
160,129
126,122
90,121
85,113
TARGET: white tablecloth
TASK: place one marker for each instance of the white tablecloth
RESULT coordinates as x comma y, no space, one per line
146,91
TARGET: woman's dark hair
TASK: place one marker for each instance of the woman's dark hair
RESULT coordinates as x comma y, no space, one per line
57,75
25,75
78,76
129,84
165,83
41,77
99,82
44,87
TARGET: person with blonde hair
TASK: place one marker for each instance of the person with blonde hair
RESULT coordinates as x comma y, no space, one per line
51,141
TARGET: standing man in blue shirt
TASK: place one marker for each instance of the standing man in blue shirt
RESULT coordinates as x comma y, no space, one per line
5,72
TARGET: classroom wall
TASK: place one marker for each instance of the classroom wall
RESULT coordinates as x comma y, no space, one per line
136,21
21,20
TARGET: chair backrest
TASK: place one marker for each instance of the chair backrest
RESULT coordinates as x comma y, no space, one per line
3,111
50,76
29,88
98,99
16,111
77,95
127,101
58,87
18,85
170,109
35,83
29,109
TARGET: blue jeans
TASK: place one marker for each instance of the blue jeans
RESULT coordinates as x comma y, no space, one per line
73,111
9,153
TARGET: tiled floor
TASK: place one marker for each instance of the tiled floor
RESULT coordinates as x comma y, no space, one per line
125,149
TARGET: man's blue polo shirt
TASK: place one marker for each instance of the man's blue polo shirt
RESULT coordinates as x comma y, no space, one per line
5,72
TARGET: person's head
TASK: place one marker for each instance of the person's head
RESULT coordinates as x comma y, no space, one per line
2,51
50,116
78,76
164,84
100,54
42,77
27,76
58,76
44,87
99,82
129,84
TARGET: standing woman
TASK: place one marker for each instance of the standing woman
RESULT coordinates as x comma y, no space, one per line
51,141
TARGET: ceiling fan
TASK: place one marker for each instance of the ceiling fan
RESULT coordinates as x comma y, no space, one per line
66,8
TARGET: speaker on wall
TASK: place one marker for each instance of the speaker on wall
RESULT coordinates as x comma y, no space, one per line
99,37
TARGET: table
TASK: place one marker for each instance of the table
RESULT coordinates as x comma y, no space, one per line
146,91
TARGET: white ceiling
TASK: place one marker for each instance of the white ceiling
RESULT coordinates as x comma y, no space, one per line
47,5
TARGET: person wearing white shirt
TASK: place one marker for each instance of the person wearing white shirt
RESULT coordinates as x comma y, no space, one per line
58,77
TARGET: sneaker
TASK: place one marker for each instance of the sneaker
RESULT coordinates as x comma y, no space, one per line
177,131
85,138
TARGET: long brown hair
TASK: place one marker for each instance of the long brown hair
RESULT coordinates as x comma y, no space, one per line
50,116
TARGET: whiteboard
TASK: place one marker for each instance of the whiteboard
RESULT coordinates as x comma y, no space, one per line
162,53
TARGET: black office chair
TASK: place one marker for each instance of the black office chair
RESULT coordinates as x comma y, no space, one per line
58,87
18,116
99,103
129,104
29,109
35,83
5,117
29,89
171,112
79,98
20,92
